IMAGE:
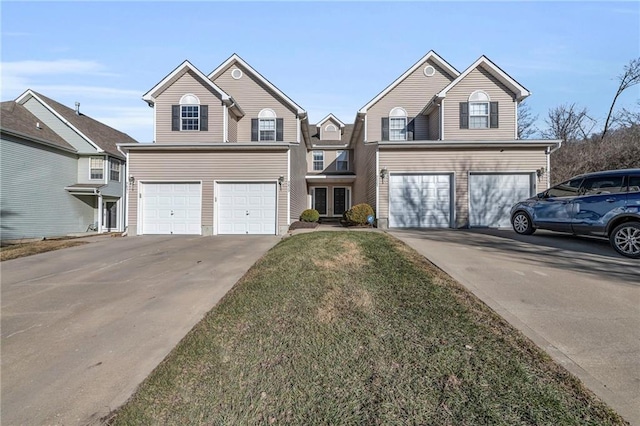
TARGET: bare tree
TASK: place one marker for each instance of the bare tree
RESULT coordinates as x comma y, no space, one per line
630,77
628,118
526,120
567,122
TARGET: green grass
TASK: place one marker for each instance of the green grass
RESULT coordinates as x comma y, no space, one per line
349,328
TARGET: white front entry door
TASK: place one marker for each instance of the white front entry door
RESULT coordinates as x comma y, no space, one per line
246,208
171,208
491,197
419,201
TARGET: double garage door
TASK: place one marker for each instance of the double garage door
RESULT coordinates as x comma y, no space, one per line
176,208
425,200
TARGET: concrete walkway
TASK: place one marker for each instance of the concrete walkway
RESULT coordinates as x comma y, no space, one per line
84,326
574,297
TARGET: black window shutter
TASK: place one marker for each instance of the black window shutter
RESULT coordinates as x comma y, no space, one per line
385,128
254,129
410,128
464,115
175,118
279,129
493,115
204,118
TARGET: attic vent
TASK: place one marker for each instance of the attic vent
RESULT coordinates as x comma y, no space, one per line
429,70
236,74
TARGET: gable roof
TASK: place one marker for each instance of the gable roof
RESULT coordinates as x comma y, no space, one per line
520,91
314,137
101,136
17,119
235,58
149,97
430,55
333,117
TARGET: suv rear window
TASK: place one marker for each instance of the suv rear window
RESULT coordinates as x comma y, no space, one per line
602,185
634,183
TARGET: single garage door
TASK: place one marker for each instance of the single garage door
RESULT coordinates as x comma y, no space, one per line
246,208
419,201
171,208
492,195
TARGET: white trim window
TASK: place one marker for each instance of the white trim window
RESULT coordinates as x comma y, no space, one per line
114,169
479,110
342,161
267,125
97,168
189,112
398,124
330,128
318,160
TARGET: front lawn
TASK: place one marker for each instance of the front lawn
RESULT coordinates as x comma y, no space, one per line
356,328
17,250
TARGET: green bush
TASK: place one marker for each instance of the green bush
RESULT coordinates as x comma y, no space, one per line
310,215
357,215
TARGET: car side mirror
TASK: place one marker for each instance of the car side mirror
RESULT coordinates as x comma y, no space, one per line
541,195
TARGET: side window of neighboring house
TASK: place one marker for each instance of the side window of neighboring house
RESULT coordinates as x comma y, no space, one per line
318,160
479,112
189,115
267,127
114,169
342,160
97,168
397,127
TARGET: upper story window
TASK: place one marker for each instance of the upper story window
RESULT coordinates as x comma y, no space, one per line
398,124
114,169
318,160
190,115
479,112
189,112
342,160
267,125
97,168
331,128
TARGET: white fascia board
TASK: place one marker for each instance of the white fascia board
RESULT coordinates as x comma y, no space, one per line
29,92
236,58
149,97
520,91
328,117
430,55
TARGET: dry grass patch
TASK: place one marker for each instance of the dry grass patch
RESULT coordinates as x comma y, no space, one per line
14,251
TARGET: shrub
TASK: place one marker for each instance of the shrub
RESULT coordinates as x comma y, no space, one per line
357,215
310,215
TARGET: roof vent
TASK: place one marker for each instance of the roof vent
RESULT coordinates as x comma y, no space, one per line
78,108
38,125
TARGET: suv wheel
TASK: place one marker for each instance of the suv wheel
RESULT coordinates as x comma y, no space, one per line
625,238
522,224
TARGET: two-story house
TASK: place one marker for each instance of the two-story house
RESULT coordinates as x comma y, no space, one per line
61,171
232,154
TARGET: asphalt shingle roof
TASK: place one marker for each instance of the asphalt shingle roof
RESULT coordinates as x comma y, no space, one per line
314,134
16,118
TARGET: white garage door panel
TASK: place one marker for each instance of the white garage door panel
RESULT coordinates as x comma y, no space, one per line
247,208
171,208
419,201
492,195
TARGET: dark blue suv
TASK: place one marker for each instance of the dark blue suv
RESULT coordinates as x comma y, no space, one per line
602,203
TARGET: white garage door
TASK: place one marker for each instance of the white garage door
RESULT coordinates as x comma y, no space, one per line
492,195
246,208
419,201
171,208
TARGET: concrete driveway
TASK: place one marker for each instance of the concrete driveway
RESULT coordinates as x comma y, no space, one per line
574,297
83,327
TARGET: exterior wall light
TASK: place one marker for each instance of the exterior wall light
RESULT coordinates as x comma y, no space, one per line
280,181
383,173
540,172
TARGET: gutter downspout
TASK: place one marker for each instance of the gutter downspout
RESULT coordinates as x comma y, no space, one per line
99,212
549,152
125,190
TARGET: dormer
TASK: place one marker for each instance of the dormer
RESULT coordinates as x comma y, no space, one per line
330,128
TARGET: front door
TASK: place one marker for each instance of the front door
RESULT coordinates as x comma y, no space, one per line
110,215
340,201
320,200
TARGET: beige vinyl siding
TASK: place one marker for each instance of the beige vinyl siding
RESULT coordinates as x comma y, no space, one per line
298,182
252,96
434,124
364,187
195,166
330,157
326,135
460,163
480,79
412,94
188,83
232,122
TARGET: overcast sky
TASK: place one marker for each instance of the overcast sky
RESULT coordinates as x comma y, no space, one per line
326,56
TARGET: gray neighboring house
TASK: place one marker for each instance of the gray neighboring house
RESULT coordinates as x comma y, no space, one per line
60,170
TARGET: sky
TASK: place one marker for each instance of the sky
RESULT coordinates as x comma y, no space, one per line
328,57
